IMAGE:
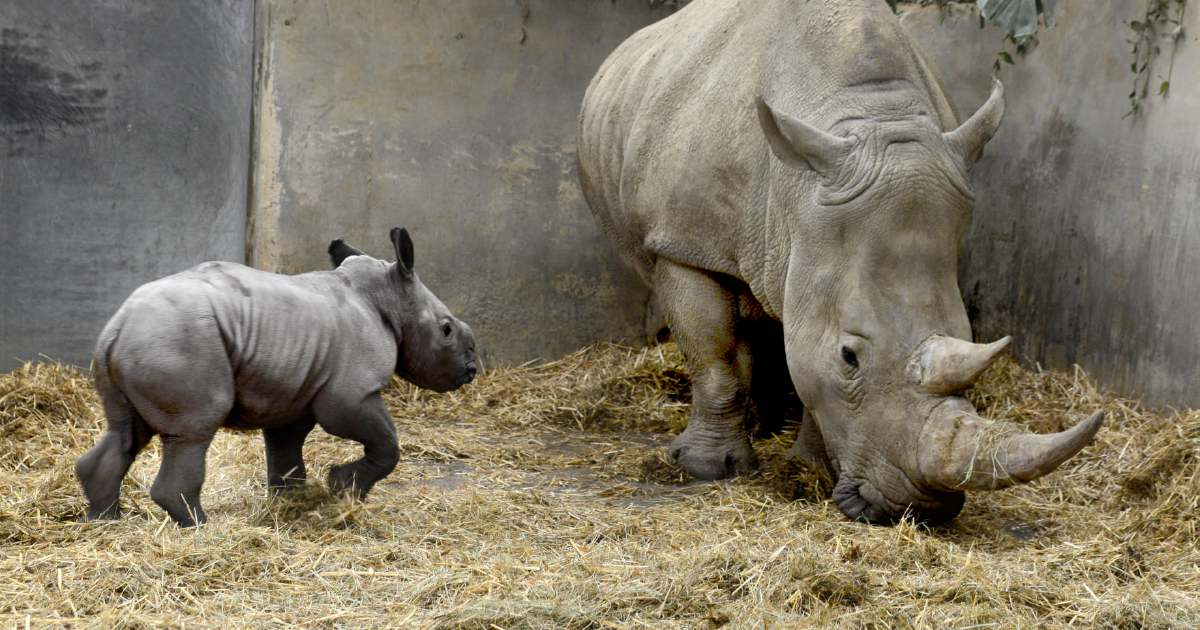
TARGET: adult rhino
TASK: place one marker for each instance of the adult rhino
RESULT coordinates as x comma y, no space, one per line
224,345
796,162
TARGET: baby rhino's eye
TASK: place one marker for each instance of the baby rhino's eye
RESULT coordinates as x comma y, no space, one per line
447,329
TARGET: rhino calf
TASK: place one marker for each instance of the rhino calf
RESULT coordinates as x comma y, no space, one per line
224,345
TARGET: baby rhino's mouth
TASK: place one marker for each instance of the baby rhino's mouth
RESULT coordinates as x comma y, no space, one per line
468,374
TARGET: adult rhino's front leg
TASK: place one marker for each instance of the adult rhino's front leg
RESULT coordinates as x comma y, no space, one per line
368,423
702,315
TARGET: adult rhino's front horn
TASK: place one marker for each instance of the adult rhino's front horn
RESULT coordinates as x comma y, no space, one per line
960,450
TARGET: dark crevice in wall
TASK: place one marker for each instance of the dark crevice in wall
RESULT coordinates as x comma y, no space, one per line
258,27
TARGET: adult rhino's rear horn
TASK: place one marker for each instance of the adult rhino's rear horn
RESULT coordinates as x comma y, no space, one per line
969,138
961,451
944,365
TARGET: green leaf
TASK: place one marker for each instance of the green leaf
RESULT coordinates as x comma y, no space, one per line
1016,18
1162,89
1006,57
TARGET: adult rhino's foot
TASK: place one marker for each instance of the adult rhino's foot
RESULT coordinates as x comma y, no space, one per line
707,456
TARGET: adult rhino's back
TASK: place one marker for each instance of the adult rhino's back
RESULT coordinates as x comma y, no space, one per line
672,158
645,132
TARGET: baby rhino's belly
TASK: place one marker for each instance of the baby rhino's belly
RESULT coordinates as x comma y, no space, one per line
265,400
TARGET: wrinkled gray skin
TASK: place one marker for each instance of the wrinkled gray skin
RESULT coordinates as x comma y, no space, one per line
224,345
789,174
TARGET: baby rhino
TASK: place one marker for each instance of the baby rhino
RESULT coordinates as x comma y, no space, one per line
224,345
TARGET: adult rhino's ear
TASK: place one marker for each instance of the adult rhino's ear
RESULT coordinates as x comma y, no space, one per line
339,251
969,138
800,145
404,250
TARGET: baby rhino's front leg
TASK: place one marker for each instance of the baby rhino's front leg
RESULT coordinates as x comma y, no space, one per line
285,454
368,423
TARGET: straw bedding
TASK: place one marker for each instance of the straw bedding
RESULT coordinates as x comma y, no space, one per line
539,497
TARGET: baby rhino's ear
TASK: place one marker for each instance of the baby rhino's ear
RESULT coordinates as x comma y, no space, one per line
404,250
340,251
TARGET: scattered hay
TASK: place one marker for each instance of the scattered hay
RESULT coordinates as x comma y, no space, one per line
539,496
987,448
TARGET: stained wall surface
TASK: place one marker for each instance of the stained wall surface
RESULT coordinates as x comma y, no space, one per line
456,119
126,147
1085,244
124,155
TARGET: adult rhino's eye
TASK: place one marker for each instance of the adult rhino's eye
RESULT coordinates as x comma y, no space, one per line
447,329
849,357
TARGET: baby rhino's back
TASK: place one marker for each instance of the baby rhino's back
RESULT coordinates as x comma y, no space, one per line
224,336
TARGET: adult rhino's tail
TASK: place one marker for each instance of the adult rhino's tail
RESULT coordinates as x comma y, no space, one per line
340,251
101,469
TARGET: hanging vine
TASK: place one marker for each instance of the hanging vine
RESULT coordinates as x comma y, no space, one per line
1161,26
1163,21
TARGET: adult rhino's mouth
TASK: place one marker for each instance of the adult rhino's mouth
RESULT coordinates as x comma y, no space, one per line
955,449
875,490
860,499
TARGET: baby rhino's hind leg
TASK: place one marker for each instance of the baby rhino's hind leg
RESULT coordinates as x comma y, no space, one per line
186,412
177,487
101,469
174,369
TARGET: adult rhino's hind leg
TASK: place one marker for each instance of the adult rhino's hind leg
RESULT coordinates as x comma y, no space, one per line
285,454
702,314
101,470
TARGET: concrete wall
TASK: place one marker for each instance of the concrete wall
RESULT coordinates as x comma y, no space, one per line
124,143
1085,243
456,119
125,149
